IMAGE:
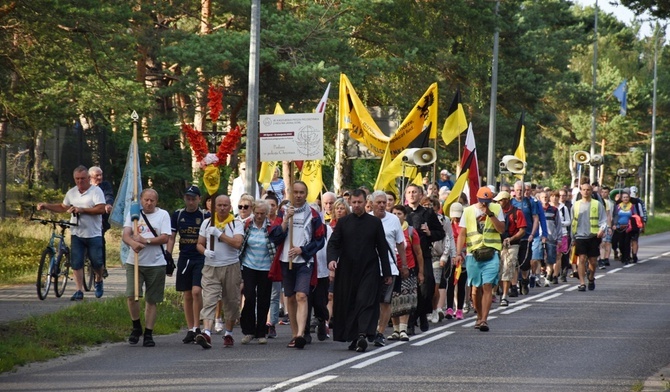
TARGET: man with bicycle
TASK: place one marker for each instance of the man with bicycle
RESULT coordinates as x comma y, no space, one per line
88,203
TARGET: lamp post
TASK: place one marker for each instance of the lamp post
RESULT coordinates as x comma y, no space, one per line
491,156
595,93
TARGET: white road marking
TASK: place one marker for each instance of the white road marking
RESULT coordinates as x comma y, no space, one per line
629,265
573,288
330,367
615,270
434,338
549,297
377,359
312,383
522,307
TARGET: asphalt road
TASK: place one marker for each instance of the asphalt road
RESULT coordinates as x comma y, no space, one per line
611,339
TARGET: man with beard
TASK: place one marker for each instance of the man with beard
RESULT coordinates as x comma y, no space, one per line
430,230
356,250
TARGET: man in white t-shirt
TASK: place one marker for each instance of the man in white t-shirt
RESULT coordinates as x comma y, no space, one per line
220,239
396,246
88,203
153,231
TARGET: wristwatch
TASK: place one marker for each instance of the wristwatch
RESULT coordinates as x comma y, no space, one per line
148,241
490,214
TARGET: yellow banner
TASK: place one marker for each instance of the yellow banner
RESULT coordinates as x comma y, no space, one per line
422,117
355,118
312,176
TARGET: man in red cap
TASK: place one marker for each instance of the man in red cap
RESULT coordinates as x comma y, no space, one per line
481,227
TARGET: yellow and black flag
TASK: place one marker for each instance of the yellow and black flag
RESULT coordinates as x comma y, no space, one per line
460,183
455,123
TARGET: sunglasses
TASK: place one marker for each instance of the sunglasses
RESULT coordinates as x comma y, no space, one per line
243,207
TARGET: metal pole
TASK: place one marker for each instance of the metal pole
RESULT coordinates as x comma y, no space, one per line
652,183
646,178
251,175
4,125
491,157
595,94
3,180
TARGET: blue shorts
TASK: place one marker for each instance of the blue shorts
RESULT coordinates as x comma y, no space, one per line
551,252
608,235
189,272
296,280
537,249
80,246
482,272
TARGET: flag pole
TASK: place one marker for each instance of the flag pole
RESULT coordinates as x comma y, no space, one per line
136,282
435,163
288,174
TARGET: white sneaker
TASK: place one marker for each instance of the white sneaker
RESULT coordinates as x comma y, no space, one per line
434,317
218,325
404,337
246,339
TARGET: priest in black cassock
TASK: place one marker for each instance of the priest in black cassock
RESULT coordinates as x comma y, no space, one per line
355,249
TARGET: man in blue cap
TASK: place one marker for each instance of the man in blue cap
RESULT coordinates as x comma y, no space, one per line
186,222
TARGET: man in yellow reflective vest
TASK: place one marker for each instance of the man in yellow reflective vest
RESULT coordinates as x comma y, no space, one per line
480,228
589,223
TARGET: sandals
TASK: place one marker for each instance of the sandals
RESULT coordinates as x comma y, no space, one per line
299,342
291,344
478,324
484,326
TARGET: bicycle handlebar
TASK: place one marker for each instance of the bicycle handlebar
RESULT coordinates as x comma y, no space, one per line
62,223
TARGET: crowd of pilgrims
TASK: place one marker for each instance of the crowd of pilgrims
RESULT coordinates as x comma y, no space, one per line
418,247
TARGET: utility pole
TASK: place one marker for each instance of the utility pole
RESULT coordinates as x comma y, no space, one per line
491,157
652,171
592,169
251,175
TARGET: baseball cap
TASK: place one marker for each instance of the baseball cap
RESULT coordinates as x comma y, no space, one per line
445,171
502,195
456,210
484,195
192,191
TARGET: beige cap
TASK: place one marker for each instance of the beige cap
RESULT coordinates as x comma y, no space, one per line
502,195
456,210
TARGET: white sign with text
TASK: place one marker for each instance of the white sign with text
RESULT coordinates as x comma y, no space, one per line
291,137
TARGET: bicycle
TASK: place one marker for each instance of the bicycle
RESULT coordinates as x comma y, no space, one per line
55,260
89,273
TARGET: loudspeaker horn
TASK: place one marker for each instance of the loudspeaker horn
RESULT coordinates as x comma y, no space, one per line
597,160
419,156
581,157
512,164
622,173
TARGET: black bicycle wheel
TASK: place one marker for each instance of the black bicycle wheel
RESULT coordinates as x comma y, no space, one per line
89,275
63,273
44,274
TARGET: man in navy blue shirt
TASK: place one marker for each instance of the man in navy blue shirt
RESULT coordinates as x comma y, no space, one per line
531,214
186,222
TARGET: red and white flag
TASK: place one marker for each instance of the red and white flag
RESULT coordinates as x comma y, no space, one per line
472,186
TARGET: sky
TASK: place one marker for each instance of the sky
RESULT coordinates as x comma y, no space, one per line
622,13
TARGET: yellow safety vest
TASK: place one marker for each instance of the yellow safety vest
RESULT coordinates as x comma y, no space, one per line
489,236
593,216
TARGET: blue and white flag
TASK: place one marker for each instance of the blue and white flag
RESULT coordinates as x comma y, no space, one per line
127,193
621,93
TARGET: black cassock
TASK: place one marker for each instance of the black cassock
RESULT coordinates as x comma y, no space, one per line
358,244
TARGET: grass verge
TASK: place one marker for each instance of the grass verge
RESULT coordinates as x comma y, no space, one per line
71,329
657,224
